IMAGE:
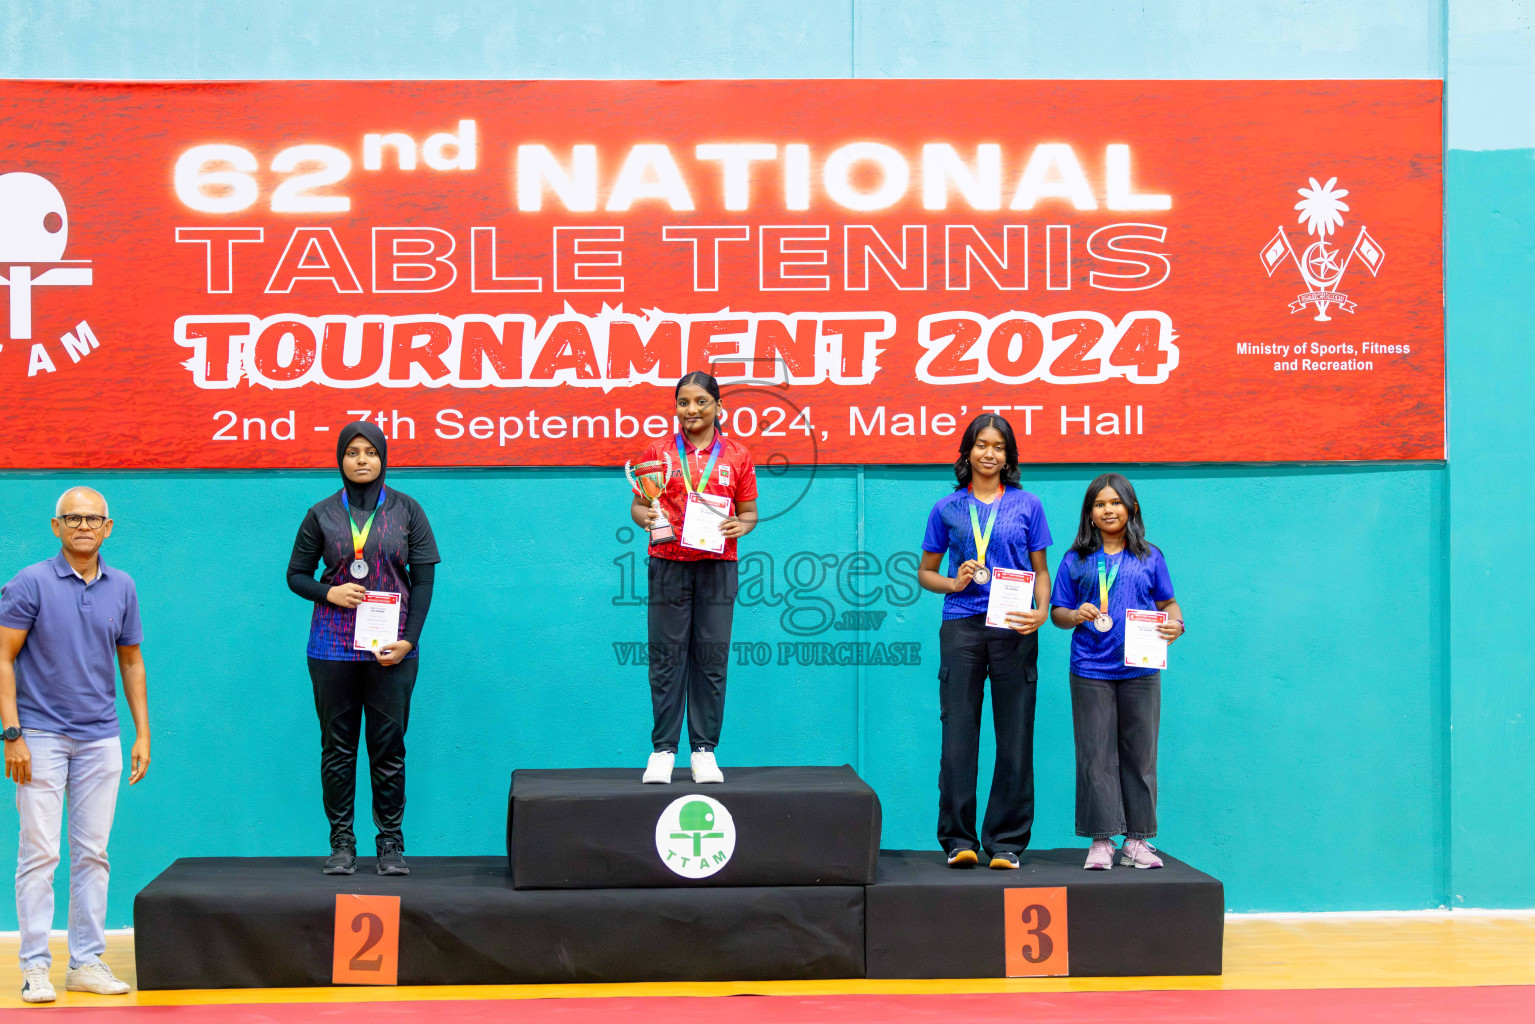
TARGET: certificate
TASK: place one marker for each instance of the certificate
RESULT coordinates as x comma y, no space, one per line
1012,590
701,522
378,620
1144,646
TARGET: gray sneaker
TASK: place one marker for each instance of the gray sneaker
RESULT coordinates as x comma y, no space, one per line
94,977
35,986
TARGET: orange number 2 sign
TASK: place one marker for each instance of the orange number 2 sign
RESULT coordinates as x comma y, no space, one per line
367,949
1036,932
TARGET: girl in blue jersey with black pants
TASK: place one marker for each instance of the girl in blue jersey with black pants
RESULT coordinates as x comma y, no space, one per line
987,522
1116,709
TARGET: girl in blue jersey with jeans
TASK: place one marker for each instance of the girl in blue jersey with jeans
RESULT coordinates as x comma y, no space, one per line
1116,709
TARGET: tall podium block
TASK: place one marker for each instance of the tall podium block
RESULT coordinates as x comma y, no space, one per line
596,828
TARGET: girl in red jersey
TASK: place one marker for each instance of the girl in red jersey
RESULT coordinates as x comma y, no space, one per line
711,502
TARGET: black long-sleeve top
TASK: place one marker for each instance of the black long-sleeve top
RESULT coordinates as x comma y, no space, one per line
400,550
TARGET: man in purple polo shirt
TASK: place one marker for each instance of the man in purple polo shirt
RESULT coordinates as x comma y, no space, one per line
62,623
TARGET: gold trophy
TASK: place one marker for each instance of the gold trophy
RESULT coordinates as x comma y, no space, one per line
648,480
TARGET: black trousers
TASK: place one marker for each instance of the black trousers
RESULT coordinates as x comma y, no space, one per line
1116,723
691,608
969,651
347,693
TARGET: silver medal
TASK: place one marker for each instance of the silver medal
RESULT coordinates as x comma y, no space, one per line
982,575
1103,623
359,569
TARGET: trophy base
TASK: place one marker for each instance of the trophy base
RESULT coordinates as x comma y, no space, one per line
663,534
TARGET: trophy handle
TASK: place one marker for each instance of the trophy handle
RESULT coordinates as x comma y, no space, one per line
633,483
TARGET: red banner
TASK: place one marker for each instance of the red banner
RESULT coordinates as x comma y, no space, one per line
219,275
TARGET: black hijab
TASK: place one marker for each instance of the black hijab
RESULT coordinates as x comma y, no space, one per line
363,497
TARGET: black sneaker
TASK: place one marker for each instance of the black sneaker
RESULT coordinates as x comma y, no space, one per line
1004,861
963,857
342,861
391,859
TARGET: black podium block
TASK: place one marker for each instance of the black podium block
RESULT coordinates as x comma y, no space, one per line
270,923
596,828
925,919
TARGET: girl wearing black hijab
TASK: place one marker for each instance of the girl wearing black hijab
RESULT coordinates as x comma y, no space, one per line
371,538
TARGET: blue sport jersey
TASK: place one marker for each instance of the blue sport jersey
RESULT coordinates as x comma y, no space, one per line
1020,528
66,674
1139,583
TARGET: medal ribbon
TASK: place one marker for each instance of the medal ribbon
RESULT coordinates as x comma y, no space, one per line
983,540
1105,583
360,537
703,481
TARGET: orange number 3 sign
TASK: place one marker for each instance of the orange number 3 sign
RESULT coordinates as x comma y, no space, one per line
1036,932
367,949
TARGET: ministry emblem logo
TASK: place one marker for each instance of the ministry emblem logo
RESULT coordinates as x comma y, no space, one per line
1322,263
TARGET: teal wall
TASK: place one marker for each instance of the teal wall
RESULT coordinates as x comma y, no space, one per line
1490,280
1490,342
1292,735
1343,618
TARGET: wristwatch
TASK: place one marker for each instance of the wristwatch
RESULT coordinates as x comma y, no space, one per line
12,734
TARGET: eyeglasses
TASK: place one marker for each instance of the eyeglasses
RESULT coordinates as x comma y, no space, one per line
74,522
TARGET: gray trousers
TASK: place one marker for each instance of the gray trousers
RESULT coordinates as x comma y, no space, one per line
1116,723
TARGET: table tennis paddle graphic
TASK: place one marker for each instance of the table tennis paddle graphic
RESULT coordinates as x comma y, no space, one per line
34,231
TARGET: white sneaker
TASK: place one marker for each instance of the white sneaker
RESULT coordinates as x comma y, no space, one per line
659,767
704,767
35,986
94,977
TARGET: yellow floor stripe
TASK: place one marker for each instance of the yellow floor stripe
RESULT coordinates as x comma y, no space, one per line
1261,953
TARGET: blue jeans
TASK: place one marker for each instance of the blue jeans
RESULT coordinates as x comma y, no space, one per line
85,772
1116,723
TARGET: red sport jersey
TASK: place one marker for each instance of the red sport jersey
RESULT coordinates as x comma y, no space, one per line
734,476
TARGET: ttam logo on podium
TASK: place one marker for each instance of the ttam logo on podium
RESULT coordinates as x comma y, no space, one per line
695,836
